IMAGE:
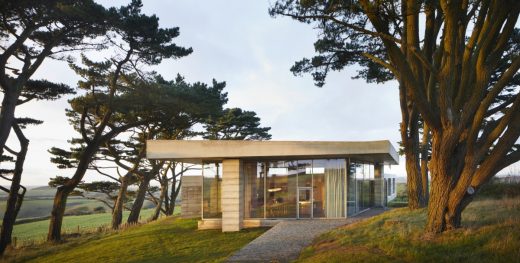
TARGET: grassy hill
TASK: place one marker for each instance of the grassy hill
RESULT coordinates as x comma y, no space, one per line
166,240
37,231
491,233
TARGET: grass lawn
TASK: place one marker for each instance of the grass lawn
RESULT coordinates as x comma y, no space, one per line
167,240
37,231
491,233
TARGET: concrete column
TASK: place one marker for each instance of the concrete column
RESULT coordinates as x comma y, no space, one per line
232,195
379,185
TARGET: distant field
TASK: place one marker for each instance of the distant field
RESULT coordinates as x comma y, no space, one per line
38,203
42,207
38,230
80,213
401,200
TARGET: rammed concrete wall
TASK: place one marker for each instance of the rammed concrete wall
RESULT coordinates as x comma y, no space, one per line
191,195
232,195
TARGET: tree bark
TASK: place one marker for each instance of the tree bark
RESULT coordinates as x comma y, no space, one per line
139,200
7,111
174,196
176,187
117,214
15,199
410,138
413,179
442,170
62,193
58,210
424,164
164,193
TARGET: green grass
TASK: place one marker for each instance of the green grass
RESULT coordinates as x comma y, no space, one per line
491,233
167,240
37,231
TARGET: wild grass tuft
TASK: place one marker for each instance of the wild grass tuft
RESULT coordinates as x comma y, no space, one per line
490,233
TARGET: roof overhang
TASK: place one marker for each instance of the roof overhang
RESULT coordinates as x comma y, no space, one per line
198,151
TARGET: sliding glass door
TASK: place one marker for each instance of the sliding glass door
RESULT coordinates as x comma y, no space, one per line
298,189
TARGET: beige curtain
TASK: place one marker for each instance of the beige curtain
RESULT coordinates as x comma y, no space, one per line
334,181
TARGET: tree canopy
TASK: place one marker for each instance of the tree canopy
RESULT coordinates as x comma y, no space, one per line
235,124
454,72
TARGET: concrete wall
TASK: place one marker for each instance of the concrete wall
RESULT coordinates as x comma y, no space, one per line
232,195
191,195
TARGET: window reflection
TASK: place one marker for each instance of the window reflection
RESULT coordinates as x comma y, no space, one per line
322,188
211,187
281,189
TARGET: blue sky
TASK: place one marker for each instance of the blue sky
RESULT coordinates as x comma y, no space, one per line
238,42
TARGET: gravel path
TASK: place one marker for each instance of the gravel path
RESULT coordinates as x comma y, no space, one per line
283,242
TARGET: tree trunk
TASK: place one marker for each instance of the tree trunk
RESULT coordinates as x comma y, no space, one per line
413,180
409,130
441,183
164,192
58,210
7,114
410,138
454,216
176,187
62,193
424,164
139,200
167,202
117,214
15,199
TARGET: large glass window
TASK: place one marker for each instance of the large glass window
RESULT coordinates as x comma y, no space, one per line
319,188
281,189
305,188
211,187
364,176
351,190
305,191
332,175
254,189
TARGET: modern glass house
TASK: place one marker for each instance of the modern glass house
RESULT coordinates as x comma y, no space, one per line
255,183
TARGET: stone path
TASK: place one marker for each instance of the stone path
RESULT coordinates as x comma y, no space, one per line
284,241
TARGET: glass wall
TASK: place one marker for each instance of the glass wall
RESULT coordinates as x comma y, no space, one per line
305,189
281,189
322,188
351,189
254,189
319,188
364,177
211,188
335,183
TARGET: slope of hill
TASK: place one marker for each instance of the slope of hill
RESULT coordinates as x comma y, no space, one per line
166,240
491,233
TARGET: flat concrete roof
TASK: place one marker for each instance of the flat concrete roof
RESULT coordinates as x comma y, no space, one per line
197,151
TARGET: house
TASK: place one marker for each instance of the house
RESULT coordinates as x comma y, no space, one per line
257,183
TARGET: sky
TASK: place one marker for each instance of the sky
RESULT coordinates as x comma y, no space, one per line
239,43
